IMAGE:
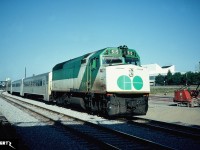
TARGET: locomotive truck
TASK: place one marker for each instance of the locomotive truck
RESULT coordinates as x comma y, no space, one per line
109,81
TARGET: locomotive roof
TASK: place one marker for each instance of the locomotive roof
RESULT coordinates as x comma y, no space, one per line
60,65
78,59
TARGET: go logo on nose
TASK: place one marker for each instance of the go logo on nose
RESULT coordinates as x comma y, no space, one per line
125,83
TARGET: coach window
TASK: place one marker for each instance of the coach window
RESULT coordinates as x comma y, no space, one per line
43,82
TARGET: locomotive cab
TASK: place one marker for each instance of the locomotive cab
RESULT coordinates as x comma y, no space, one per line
121,80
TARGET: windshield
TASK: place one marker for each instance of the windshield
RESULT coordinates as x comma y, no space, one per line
111,60
133,61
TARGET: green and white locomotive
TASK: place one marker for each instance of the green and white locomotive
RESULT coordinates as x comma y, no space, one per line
109,81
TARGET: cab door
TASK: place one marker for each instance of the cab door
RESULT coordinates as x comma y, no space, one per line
89,72
91,68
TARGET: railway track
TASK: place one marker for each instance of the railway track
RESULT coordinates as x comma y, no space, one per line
176,129
100,136
174,135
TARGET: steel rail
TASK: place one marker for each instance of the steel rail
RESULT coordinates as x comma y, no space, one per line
176,129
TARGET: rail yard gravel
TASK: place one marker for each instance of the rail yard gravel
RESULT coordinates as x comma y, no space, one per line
35,134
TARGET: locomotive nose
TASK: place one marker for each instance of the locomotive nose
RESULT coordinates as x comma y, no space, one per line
127,79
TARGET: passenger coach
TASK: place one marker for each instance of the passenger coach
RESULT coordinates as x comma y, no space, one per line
17,87
38,86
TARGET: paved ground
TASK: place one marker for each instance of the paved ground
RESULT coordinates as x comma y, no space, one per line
164,109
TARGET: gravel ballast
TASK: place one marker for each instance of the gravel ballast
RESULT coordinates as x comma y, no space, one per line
35,134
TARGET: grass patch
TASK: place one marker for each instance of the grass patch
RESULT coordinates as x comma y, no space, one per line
166,90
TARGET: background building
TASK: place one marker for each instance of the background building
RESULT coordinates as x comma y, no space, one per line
155,70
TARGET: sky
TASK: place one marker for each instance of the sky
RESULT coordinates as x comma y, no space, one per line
38,34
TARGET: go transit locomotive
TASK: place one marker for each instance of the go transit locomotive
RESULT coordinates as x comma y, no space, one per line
109,81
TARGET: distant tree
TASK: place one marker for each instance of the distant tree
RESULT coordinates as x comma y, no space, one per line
184,80
195,79
160,79
169,78
176,78
189,76
198,78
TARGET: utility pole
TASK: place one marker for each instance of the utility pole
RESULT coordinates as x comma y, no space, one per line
25,72
199,66
186,79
